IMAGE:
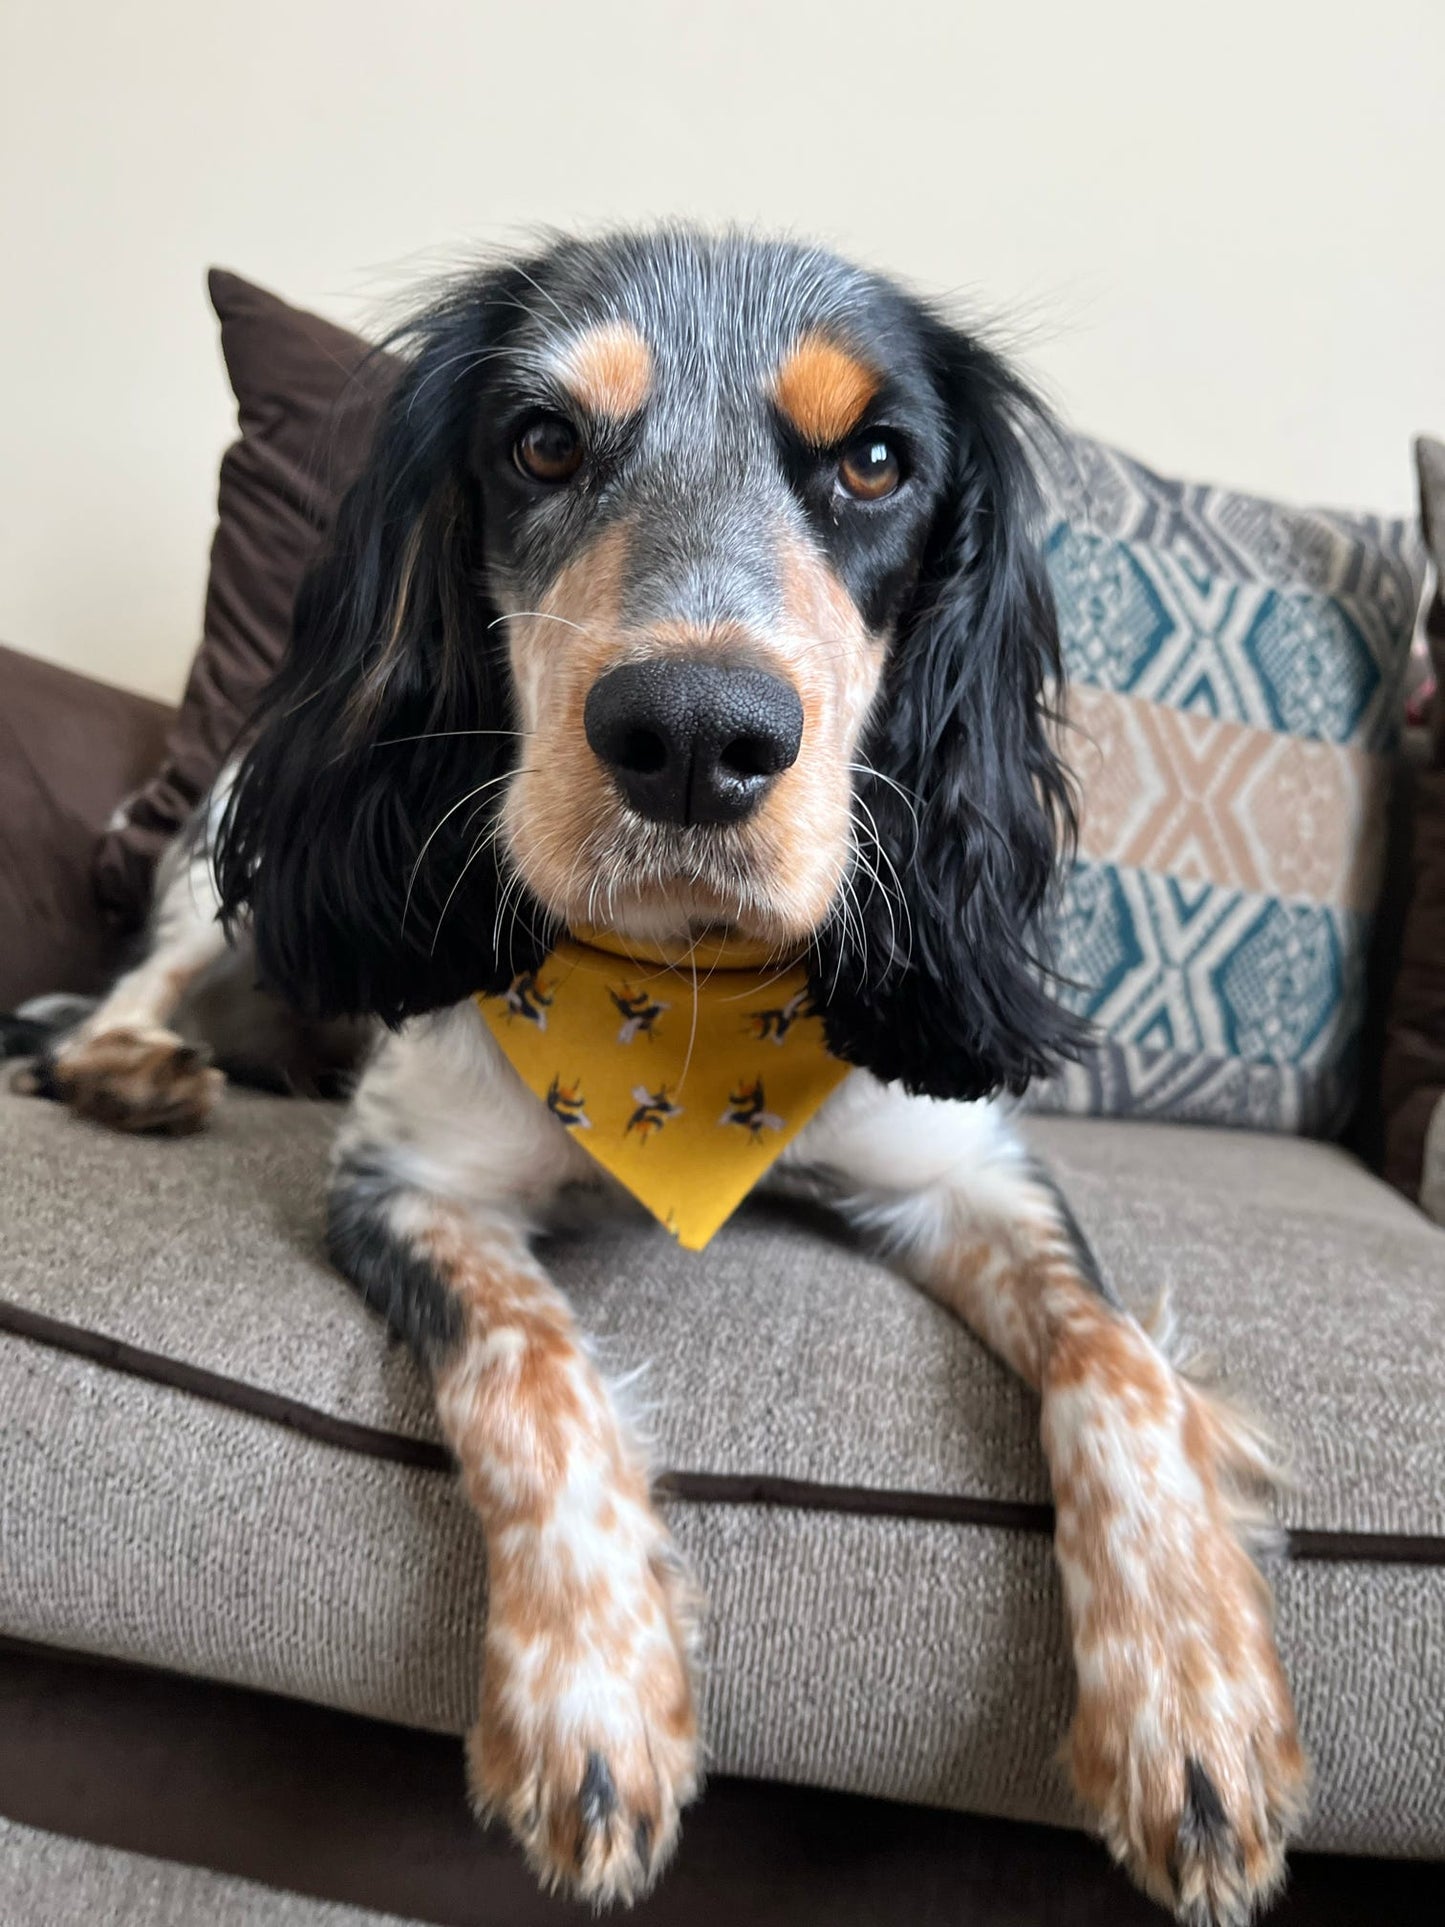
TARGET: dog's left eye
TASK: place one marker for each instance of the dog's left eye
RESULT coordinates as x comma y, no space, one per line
548,450
870,468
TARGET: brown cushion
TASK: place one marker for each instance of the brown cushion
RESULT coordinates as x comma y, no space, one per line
306,394
1414,1069
1430,460
70,749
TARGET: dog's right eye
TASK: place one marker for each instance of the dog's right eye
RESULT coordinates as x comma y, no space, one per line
870,468
548,450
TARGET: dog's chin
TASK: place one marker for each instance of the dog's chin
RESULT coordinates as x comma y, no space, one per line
650,884
678,913
667,909
774,879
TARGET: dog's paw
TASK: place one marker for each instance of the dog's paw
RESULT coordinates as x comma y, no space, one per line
587,1743
1184,1745
133,1080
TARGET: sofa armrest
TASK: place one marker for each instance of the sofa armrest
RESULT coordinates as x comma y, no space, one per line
1414,1069
70,750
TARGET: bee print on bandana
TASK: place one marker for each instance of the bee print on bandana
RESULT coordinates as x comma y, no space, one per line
567,1104
654,1108
638,1010
747,1108
684,1103
529,998
772,1026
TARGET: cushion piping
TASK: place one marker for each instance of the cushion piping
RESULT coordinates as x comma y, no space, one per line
695,1488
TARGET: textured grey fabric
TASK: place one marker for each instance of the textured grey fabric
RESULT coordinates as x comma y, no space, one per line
1315,1286
1432,1176
780,1349
48,1881
917,1660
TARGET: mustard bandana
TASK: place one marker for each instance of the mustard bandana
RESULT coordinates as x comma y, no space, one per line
686,1102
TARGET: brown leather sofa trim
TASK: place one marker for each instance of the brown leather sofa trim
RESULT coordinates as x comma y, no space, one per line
692,1488
114,1353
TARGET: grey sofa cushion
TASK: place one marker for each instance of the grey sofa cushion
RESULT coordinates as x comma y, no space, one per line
45,1877
215,1462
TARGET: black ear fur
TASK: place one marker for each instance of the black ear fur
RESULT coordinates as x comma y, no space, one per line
947,992
369,873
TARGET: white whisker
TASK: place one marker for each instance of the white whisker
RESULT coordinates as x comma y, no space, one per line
480,790
538,615
909,799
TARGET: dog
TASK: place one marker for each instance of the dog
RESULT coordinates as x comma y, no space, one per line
692,593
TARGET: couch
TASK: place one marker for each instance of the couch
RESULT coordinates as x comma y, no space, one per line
225,1511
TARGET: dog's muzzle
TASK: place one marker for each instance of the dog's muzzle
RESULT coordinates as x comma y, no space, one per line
693,742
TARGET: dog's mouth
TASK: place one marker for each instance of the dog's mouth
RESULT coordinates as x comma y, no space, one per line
694,886
704,932
663,885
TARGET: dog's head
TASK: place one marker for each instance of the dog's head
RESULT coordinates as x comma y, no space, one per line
691,587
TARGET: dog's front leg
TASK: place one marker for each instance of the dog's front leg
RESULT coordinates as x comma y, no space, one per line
586,1740
1183,1745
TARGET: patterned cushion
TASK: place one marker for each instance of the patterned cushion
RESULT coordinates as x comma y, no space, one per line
1235,673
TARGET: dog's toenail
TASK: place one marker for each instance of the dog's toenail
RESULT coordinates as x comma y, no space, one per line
597,1799
1203,1809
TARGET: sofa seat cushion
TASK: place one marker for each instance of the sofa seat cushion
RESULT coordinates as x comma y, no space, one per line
216,1462
47,1877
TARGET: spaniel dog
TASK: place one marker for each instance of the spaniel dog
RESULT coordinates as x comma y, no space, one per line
692,594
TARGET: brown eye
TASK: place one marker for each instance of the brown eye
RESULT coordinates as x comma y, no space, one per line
870,468
549,450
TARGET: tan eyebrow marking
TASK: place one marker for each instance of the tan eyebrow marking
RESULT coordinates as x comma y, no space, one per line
823,390
608,369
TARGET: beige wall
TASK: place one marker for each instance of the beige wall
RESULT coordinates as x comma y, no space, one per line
1214,229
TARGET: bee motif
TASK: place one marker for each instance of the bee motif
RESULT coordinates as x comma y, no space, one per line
654,1108
566,1103
639,1012
747,1107
529,998
774,1025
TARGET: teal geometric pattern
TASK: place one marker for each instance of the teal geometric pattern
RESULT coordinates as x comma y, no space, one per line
1283,984
1113,621
1316,670
1209,1003
1143,624
1188,973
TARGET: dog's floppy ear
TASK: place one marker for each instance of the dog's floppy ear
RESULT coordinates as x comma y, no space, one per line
935,976
359,836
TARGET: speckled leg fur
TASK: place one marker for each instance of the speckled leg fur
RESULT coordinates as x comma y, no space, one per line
1183,1746
586,1741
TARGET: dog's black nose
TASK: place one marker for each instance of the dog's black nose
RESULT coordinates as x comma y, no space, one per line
693,742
